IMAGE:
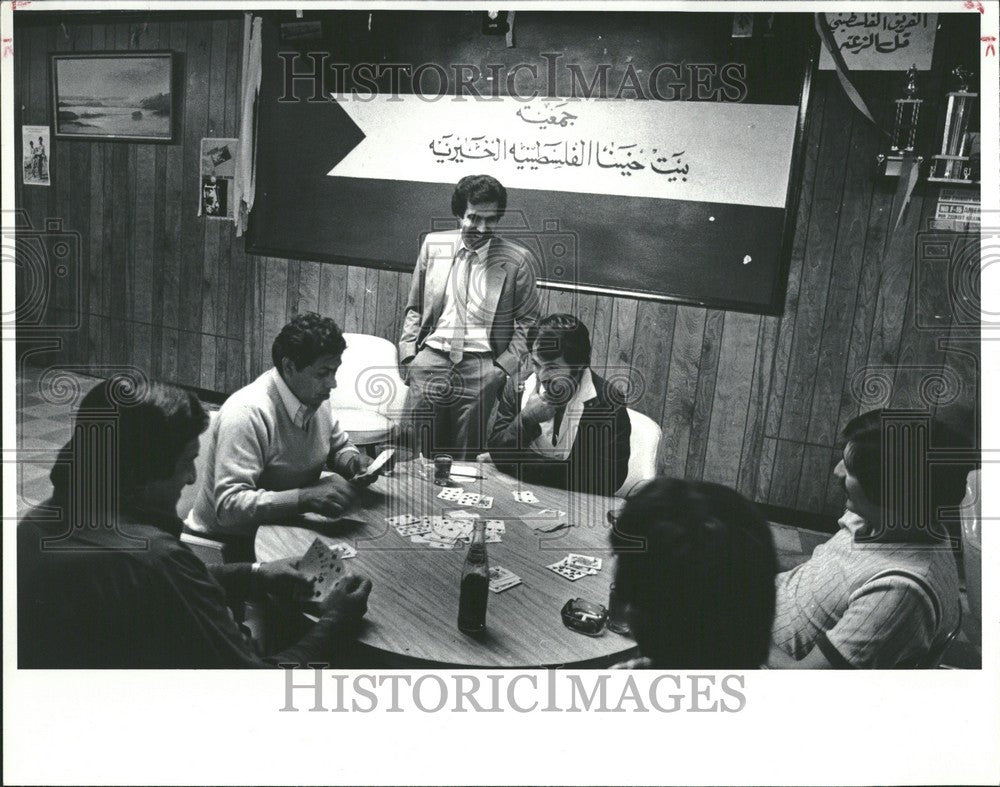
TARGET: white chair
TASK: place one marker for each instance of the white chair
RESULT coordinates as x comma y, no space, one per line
369,396
972,552
643,445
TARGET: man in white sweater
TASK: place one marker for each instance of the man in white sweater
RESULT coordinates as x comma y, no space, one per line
273,438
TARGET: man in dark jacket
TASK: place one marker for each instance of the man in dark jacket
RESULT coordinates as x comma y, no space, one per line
103,580
563,426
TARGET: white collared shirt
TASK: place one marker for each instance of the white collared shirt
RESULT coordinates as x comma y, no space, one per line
298,412
542,444
477,331
301,416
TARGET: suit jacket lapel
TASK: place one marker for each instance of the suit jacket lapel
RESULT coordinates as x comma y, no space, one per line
438,268
496,274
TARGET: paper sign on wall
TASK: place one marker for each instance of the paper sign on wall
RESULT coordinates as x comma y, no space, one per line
218,169
882,42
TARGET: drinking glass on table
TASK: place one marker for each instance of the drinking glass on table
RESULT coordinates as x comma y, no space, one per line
442,469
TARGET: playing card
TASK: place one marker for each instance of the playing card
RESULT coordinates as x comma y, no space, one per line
461,514
491,538
501,579
566,571
435,541
450,528
469,499
376,465
496,526
413,529
550,513
584,561
451,493
484,502
545,526
402,519
344,550
466,471
525,497
323,568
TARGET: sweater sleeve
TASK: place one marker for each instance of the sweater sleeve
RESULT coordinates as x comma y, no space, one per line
511,437
240,453
888,620
209,637
342,450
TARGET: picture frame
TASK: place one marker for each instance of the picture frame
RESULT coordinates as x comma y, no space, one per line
116,96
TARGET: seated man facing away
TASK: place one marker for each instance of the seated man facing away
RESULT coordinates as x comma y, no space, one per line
696,565
106,582
565,426
272,439
882,592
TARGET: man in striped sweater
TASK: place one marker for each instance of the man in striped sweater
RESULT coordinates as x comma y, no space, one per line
883,592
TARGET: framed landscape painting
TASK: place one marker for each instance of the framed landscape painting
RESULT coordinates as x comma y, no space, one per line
114,95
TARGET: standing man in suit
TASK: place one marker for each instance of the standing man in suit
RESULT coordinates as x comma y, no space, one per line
471,303
564,427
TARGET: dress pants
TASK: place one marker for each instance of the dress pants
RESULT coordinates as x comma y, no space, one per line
449,405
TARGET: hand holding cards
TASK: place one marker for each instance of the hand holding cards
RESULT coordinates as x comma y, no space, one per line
323,568
370,473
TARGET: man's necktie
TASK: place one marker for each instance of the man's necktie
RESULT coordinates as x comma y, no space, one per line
557,423
462,269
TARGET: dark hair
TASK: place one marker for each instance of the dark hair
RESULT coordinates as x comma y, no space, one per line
561,336
152,424
305,339
696,562
478,188
922,487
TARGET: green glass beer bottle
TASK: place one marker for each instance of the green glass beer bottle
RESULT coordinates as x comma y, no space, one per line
475,588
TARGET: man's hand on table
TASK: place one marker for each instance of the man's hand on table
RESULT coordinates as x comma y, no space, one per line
349,599
330,496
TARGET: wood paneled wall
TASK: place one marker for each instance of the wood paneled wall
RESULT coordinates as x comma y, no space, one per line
749,401
163,289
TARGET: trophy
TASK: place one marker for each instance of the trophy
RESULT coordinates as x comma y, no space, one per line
954,163
904,128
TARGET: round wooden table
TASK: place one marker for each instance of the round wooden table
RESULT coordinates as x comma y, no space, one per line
413,608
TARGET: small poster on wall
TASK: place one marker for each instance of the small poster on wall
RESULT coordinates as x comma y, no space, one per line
218,169
882,41
35,155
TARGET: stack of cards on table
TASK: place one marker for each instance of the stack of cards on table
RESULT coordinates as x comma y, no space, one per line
455,494
573,567
501,579
444,532
324,568
494,529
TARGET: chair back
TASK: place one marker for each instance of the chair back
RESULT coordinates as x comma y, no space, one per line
643,445
972,552
933,658
368,378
